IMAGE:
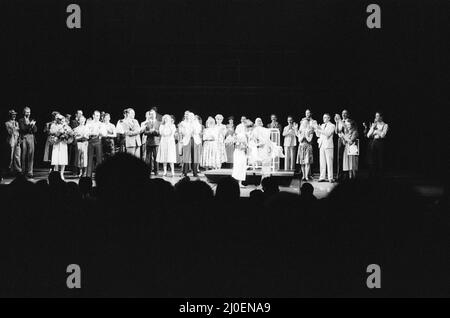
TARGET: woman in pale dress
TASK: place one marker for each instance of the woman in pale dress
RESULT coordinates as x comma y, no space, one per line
305,151
350,162
221,132
81,136
61,134
240,157
210,152
252,149
229,141
167,151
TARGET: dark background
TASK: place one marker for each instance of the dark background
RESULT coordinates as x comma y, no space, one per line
237,57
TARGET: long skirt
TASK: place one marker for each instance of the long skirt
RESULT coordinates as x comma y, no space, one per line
222,152
211,157
48,150
59,154
305,153
82,153
187,152
239,165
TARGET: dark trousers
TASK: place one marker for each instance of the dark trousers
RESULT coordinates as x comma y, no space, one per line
27,154
150,157
375,158
94,150
341,174
187,167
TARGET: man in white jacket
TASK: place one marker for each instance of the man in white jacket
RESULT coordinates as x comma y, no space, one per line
325,140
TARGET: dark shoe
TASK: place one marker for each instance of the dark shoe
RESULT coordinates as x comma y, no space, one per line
322,180
332,181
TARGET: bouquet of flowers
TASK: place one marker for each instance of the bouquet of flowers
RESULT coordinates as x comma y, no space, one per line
241,143
62,133
230,140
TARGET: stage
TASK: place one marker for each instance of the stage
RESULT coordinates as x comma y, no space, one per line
287,180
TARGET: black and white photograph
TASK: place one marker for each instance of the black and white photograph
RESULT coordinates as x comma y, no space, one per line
224,155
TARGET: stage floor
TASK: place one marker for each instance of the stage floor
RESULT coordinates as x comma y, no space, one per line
321,190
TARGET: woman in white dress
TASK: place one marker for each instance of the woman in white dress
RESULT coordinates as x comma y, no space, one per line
81,136
167,151
210,152
221,133
240,158
61,135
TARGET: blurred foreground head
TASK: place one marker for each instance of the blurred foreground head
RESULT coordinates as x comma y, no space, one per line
121,178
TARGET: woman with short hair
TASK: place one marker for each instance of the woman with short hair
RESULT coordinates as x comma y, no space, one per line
167,152
61,134
351,151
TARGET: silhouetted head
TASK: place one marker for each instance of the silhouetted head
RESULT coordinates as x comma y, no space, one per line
121,177
193,192
85,185
270,186
227,189
54,179
257,195
307,189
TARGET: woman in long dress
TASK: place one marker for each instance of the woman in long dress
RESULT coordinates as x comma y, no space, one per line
61,133
229,141
167,152
221,132
240,158
350,162
210,153
252,148
305,151
81,134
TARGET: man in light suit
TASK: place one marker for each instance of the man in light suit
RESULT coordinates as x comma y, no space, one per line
190,130
13,140
290,143
325,140
132,131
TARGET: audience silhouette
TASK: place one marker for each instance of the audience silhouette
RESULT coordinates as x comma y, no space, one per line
136,236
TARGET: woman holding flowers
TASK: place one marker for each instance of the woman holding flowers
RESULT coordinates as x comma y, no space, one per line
61,134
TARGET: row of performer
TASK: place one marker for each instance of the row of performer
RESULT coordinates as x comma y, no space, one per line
85,142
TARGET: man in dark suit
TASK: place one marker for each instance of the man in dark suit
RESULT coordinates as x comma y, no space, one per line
153,138
72,148
27,130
